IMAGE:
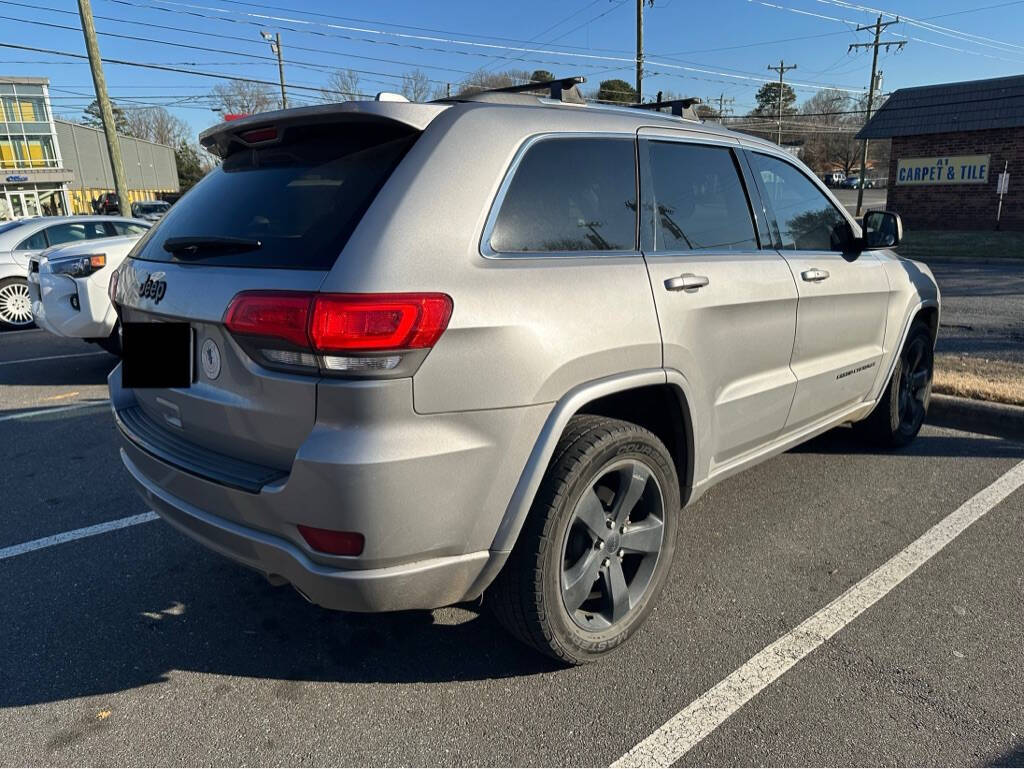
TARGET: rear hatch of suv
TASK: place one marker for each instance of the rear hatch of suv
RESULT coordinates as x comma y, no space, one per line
268,223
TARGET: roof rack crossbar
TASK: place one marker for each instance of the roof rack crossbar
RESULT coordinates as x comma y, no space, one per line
680,107
563,88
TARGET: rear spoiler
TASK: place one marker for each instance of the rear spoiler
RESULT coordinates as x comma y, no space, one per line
219,139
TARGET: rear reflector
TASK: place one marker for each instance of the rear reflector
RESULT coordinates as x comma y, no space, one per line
333,542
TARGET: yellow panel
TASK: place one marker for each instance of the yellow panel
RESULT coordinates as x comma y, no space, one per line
7,153
35,154
27,111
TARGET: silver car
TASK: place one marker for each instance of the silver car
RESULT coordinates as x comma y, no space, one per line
23,239
401,355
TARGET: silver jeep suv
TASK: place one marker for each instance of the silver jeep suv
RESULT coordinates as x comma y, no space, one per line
403,355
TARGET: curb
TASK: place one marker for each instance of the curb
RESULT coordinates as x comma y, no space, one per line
999,419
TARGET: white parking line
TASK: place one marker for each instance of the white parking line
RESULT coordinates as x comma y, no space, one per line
54,410
70,536
21,331
52,357
705,714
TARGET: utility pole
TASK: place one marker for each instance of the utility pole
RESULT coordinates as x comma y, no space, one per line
722,101
106,112
275,46
877,27
640,51
640,48
782,69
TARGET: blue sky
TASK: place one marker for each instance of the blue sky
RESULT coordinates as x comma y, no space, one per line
694,47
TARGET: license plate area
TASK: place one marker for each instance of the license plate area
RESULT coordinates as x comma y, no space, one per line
157,355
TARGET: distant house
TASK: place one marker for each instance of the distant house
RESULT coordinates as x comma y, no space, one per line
950,143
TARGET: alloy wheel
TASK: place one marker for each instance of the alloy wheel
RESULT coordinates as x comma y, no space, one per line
915,378
612,545
15,305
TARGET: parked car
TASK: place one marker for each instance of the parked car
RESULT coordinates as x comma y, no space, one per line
150,210
396,392
853,182
107,204
835,178
25,238
67,286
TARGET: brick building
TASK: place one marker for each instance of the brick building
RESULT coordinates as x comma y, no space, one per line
950,143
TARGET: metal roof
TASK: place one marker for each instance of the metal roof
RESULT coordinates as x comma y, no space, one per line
971,105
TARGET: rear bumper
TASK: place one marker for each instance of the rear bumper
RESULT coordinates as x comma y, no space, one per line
423,584
427,492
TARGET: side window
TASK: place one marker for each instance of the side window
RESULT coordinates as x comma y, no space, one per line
73,231
35,243
572,194
699,198
808,221
127,228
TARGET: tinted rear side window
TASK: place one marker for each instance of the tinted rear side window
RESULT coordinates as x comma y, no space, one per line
300,199
699,199
572,194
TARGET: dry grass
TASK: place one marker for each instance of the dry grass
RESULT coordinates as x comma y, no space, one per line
980,378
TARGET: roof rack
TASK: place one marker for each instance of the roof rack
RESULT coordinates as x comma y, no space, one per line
563,88
680,107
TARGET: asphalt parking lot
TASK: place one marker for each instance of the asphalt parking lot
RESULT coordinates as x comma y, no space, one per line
132,645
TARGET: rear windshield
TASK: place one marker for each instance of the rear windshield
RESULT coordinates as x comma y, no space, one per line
292,205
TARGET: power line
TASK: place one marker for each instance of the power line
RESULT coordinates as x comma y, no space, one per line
588,57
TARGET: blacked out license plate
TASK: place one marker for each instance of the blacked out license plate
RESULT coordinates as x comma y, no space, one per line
157,354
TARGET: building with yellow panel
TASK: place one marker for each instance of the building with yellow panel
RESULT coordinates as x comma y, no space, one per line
55,167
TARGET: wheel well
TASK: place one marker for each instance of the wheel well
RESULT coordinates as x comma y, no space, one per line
929,315
663,410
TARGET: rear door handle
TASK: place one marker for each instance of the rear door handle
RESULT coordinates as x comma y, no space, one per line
686,282
814,275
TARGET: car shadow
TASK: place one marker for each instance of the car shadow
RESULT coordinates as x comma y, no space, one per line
89,370
126,625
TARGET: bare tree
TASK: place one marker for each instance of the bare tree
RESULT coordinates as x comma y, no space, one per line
415,85
481,80
245,98
342,85
156,124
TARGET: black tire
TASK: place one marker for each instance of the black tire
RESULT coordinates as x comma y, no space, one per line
112,343
15,312
903,406
605,460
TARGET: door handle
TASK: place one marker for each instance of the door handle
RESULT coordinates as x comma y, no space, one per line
686,282
814,275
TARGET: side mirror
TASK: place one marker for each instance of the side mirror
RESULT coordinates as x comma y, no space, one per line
882,229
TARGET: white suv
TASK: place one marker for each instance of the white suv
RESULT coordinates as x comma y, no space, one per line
67,288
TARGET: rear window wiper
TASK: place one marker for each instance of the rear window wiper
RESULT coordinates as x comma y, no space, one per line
190,246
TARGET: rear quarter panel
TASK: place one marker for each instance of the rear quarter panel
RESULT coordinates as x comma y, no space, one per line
524,330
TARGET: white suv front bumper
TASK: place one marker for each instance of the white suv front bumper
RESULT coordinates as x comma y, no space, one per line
54,298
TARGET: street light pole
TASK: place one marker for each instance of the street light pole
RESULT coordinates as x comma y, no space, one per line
275,46
106,111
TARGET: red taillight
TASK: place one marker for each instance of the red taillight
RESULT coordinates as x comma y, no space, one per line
277,314
351,322
258,135
358,326
333,542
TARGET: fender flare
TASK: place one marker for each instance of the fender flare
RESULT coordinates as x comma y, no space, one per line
908,321
565,408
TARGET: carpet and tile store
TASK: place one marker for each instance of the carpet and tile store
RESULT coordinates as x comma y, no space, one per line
951,145
52,167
